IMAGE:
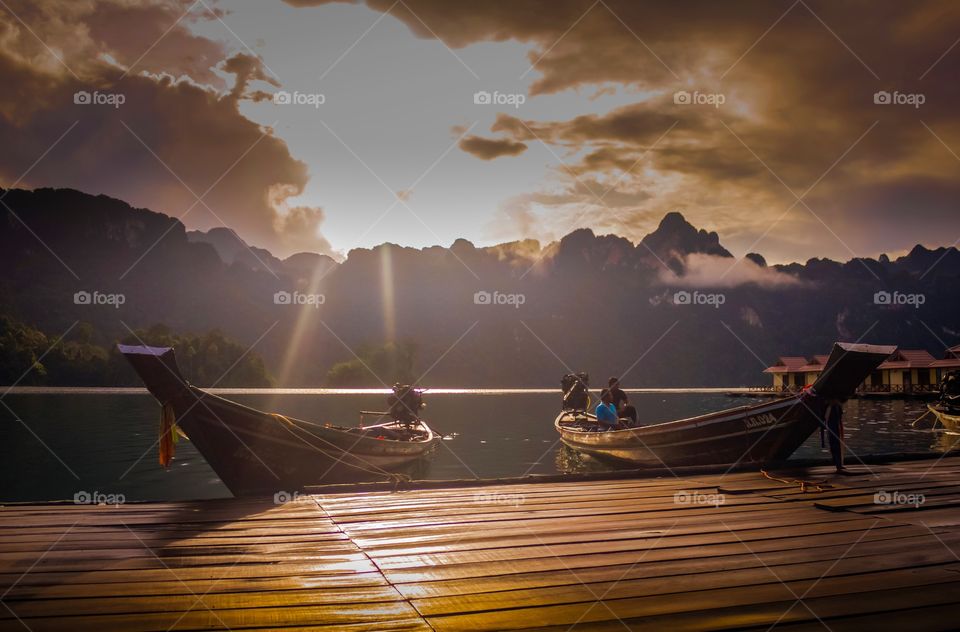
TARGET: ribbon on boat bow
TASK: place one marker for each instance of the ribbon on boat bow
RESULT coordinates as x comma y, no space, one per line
168,434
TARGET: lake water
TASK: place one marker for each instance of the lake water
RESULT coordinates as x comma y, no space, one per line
54,445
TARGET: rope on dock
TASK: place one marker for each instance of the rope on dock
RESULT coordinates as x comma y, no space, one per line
797,481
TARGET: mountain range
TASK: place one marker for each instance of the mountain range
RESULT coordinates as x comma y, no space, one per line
675,309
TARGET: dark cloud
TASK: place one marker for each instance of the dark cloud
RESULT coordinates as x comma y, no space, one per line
125,30
173,138
490,148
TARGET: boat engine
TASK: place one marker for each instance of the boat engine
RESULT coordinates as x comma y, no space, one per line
405,403
576,391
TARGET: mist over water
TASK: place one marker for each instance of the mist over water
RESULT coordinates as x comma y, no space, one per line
105,441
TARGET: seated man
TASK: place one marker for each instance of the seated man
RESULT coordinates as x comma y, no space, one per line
621,402
606,413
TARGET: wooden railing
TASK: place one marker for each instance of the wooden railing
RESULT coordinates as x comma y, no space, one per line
899,388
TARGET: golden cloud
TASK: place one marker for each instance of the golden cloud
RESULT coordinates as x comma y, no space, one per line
742,108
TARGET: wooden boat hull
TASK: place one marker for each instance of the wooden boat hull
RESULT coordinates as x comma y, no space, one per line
257,453
756,434
949,420
764,433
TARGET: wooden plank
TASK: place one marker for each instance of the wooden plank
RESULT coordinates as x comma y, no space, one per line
228,530
735,608
937,519
690,567
342,562
490,503
869,504
690,544
124,539
493,511
886,570
275,568
185,602
115,521
460,539
673,510
575,562
381,529
133,584
846,485
651,483
376,614
376,534
126,549
926,619
535,492
929,503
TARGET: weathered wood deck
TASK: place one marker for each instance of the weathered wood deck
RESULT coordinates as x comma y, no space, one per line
592,555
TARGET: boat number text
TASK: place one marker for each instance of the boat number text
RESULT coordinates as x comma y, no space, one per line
760,420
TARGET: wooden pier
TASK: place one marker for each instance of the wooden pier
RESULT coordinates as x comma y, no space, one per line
875,551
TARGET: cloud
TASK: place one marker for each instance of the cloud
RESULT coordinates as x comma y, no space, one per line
490,148
515,216
316,3
798,115
246,68
124,30
710,271
298,226
176,136
798,84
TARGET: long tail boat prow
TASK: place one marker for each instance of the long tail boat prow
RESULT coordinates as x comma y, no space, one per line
255,452
762,434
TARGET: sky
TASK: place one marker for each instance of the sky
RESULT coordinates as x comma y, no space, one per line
796,129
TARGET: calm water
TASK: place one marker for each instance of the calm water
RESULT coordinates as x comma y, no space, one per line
57,445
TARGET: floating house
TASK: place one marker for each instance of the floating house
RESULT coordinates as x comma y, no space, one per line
949,361
905,371
795,372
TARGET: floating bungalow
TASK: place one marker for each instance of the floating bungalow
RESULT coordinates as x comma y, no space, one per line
905,372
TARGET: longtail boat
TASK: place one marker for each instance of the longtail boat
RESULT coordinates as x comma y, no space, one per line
255,452
761,434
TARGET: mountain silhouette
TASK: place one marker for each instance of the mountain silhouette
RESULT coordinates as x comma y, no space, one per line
675,237
599,303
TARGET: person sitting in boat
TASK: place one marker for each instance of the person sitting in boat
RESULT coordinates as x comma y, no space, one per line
606,412
833,426
621,402
950,391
